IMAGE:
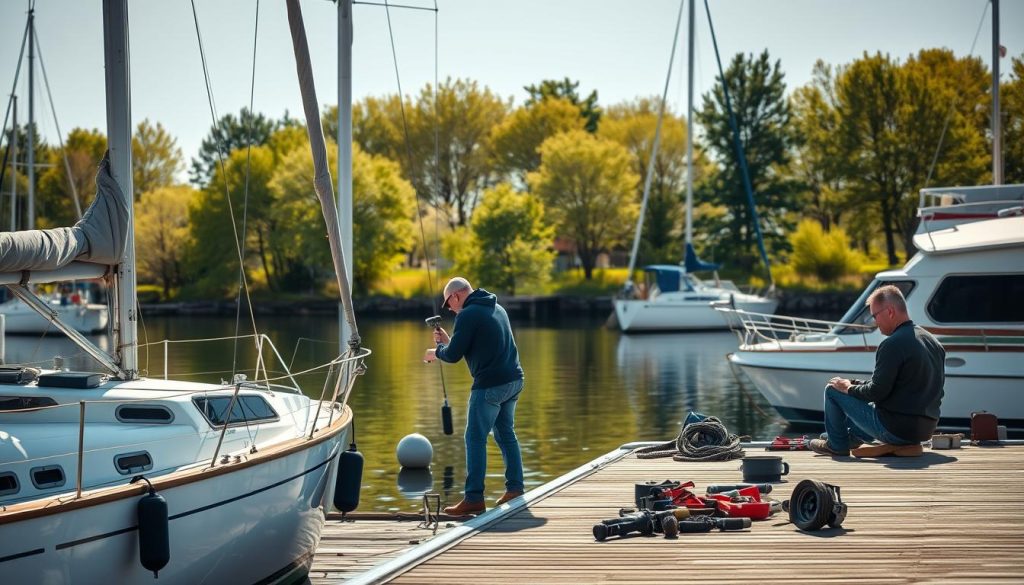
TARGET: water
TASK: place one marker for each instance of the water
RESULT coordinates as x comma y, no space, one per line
588,390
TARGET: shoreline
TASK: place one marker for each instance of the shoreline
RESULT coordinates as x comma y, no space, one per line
811,305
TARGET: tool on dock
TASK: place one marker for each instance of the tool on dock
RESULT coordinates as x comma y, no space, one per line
646,522
446,410
431,511
708,523
815,504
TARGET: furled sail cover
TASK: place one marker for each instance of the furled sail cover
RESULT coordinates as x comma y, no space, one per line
695,264
99,237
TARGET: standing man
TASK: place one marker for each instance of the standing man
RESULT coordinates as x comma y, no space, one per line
899,406
483,336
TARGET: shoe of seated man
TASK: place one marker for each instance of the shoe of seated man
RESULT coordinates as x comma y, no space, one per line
821,447
465,508
507,496
854,441
883,449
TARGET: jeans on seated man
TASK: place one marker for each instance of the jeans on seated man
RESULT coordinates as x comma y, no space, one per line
899,406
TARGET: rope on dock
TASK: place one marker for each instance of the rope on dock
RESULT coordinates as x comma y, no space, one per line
707,440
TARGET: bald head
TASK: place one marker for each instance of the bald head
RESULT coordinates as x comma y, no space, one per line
455,285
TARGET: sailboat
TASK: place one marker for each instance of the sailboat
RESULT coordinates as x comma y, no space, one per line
116,478
73,307
673,298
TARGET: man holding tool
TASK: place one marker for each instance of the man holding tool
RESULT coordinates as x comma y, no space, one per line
483,336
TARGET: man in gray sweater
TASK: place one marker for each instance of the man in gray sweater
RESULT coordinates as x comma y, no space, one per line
899,406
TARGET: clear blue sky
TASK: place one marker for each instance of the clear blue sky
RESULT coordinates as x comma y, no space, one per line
619,48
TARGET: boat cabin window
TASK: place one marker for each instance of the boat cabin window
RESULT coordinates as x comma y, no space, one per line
979,298
859,314
47,477
129,463
247,409
8,483
144,413
25,402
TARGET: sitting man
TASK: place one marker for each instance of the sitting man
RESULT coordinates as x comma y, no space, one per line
899,406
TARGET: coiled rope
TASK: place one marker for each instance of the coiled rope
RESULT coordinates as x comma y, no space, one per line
706,440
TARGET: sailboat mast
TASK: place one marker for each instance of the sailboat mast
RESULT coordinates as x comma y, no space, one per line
30,205
689,128
345,150
119,137
997,139
14,165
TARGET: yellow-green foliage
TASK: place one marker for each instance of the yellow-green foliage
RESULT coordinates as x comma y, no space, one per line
826,256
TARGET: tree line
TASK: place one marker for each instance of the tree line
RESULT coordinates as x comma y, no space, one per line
464,178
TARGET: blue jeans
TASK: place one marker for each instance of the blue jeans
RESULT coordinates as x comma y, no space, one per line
847,416
492,409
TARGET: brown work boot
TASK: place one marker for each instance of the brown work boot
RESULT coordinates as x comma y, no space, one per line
821,447
883,449
508,496
465,508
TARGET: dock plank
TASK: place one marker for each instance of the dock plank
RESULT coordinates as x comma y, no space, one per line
946,517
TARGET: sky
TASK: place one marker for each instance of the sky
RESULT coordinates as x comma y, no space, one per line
619,48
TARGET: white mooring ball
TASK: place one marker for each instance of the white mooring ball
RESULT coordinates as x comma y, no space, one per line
415,451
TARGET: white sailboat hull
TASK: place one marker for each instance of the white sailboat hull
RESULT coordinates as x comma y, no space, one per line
20,319
257,524
665,314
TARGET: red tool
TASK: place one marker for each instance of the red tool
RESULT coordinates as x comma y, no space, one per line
781,443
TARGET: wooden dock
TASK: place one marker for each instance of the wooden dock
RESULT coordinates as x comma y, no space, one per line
949,516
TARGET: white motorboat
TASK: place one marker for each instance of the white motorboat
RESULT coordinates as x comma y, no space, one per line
82,317
676,300
673,298
965,286
116,478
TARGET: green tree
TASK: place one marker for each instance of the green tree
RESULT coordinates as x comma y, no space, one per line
383,207
161,235
568,90
757,96
633,125
54,197
824,255
515,143
457,128
1011,95
509,242
156,158
895,120
228,134
212,253
589,189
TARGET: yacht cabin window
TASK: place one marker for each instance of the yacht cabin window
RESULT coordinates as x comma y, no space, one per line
979,298
247,409
859,314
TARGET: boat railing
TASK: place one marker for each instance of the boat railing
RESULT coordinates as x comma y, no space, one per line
768,332
265,384
938,217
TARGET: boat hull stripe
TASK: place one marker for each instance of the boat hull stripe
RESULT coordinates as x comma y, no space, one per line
22,555
72,543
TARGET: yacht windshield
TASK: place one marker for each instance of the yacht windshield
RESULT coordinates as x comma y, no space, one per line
858,314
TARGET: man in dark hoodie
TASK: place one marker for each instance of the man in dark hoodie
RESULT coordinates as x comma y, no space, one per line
483,336
899,406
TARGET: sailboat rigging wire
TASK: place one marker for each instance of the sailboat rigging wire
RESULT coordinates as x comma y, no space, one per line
56,124
14,87
408,154
949,114
654,151
739,150
223,169
245,205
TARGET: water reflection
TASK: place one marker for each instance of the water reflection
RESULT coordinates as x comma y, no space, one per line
588,390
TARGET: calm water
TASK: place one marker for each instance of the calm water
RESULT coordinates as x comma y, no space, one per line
588,390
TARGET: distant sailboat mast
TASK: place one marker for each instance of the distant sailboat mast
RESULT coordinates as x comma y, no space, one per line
30,204
997,140
689,130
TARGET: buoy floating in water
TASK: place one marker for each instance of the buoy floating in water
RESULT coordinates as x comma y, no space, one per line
415,451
